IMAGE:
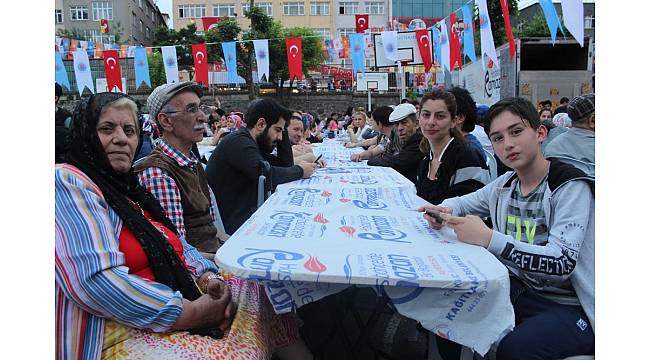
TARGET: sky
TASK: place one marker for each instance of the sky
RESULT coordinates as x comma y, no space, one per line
165,6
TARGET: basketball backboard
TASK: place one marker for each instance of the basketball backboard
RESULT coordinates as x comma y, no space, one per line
372,81
407,49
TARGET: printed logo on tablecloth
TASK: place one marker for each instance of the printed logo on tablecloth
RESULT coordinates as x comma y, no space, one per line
374,227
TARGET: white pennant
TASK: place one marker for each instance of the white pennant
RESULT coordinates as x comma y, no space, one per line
444,45
487,41
389,40
573,16
131,51
82,72
171,66
262,58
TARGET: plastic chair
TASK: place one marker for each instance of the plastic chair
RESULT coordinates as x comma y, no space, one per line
263,186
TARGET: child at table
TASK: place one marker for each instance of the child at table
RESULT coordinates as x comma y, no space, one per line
543,216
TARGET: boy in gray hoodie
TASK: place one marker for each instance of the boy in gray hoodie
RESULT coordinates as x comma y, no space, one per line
543,216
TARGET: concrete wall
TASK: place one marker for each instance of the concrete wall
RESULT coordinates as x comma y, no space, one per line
322,105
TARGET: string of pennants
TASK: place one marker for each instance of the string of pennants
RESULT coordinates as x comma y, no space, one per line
436,45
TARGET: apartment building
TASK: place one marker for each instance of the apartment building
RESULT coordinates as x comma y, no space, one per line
318,15
134,20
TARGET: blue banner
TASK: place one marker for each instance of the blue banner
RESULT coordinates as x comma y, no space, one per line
468,34
60,75
230,57
141,66
552,20
437,49
357,44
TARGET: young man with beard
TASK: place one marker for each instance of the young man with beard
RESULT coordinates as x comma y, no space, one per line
543,216
234,167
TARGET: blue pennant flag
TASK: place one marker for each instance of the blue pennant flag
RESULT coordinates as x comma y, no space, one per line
60,74
552,20
437,49
468,34
230,57
141,67
357,43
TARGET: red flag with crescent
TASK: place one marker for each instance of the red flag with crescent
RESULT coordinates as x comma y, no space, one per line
454,44
294,57
103,26
424,44
200,54
112,70
362,22
209,22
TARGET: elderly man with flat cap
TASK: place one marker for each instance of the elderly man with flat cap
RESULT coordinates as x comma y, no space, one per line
173,173
406,157
577,146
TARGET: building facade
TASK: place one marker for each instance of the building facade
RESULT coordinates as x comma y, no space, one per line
132,22
429,11
318,15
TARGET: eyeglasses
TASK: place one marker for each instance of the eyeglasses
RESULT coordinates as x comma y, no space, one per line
193,109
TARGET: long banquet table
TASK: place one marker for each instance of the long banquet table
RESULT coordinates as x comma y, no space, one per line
355,224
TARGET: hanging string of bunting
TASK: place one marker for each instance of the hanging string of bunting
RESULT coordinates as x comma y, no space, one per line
439,47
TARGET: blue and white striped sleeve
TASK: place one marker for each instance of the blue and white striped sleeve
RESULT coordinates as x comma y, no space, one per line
90,267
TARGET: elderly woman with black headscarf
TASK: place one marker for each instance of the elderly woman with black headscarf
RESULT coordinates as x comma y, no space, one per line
127,285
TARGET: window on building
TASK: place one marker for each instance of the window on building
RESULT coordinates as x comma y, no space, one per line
223,10
294,8
95,35
375,7
148,32
590,22
58,16
346,31
191,11
348,7
134,19
78,12
140,3
267,7
141,26
323,32
320,8
103,10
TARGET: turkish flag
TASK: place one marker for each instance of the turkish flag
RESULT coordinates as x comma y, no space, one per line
294,57
210,21
454,44
324,70
112,70
362,22
200,55
424,44
506,20
103,26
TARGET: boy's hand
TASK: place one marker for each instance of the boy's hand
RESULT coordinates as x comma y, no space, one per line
435,209
469,229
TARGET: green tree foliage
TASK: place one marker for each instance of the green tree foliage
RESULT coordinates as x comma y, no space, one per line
496,18
183,40
535,27
156,69
312,56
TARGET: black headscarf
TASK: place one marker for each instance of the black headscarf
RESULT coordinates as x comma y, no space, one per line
86,152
